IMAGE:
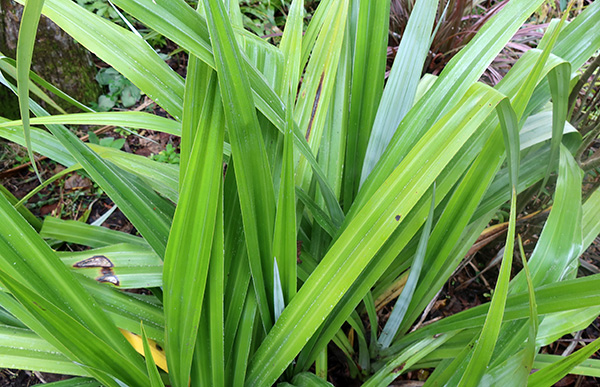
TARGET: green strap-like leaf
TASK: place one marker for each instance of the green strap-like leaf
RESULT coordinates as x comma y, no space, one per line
148,212
24,211
361,239
209,357
484,348
25,43
471,189
401,87
252,170
308,379
460,73
590,367
460,116
104,38
196,82
291,46
558,79
131,266
161,177
84,234
399,311
102,360
41,141
318,84
192,34
534,322
28,259
191,238
9,66
403,362
284,238
368,43
23,349
153,374
550,375
565,295
130,119
76,382
238,359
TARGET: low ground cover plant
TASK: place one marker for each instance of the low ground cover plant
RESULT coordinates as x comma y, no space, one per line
310,192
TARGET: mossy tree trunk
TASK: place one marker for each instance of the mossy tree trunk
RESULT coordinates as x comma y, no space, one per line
57,58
